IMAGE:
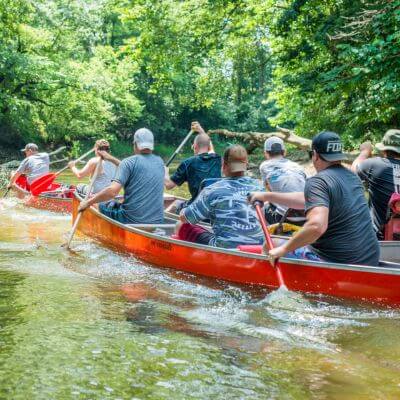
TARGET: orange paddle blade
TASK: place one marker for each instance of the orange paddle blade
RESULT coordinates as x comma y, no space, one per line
41,184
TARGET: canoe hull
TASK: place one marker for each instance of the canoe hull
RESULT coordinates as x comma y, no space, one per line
378,285
54,204
45,202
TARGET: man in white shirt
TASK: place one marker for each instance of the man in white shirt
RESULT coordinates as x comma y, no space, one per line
280,174
34,166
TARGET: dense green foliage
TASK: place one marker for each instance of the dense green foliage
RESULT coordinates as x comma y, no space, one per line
337,65
72,70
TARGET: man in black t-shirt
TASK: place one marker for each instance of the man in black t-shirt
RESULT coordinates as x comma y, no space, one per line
338,227
204,164
381,174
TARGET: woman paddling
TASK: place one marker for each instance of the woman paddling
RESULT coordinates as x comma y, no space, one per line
107,172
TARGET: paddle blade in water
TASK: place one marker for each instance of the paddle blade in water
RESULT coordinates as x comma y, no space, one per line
41,184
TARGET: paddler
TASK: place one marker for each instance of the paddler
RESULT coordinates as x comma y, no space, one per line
107,171
279,174
194,170
338,227
142,178
224,204
381,174
34,166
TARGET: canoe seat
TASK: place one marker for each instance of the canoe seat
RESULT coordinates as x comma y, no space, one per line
389,264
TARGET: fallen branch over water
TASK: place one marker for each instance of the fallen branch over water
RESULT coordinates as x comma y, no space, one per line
254,140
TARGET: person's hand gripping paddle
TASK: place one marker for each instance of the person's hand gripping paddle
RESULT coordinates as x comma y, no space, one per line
270,245
78,217
41,184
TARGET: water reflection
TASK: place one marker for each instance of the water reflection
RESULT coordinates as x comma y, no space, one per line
97,324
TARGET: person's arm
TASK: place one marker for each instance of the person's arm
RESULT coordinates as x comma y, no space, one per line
212,150
87,170
197,211
169,184
106,194
197,127
314,228
13,179
178,178
366,149
20,171
293,200
107,156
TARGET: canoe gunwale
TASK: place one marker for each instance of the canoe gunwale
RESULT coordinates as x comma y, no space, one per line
238,253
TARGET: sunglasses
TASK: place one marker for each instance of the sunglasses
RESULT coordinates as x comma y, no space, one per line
310,153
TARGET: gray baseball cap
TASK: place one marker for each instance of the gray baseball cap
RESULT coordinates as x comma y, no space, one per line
274,143
144,139
30,146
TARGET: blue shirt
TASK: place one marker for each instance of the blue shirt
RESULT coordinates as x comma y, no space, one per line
142,177
233,219
195,169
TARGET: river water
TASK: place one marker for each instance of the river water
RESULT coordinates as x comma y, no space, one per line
95,324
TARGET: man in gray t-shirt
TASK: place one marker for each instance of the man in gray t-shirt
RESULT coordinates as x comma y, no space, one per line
338,228
34,166
142,177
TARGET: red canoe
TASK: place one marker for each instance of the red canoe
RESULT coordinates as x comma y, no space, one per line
367,283
58,202
54,200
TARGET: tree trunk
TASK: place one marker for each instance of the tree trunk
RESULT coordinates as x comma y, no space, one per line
254,140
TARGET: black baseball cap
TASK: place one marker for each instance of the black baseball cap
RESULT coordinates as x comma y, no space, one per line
329,146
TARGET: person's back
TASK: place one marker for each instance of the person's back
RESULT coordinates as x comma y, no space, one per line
106,175
233,220
35,166
196,169
350,237
381,175
282,175
205,164
142,177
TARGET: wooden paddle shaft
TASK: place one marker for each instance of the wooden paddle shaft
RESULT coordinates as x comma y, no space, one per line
6,193
269,241
77,160
184,141
78,217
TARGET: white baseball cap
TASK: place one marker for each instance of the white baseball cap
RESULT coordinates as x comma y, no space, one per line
144,139
274,143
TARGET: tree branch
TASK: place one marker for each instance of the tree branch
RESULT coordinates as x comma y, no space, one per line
254,140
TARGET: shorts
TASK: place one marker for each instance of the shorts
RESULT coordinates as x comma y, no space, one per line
113,210
303,253
272,216
296,217
180,205
195,234
82,189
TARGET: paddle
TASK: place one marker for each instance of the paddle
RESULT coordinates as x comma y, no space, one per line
78,217
6,193
268,239
41,184
179,148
